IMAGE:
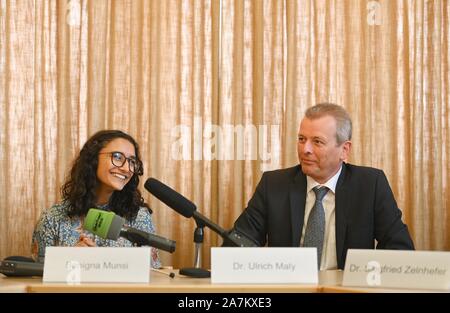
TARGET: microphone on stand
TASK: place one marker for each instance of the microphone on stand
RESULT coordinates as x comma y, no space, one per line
188,209
108,225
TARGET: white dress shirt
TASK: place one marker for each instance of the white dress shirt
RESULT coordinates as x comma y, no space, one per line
329,260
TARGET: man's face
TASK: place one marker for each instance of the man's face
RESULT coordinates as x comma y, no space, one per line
318,152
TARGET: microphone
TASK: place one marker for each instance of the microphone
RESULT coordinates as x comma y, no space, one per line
21,266
188,209
108,225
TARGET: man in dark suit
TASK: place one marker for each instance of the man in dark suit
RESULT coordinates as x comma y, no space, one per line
356,205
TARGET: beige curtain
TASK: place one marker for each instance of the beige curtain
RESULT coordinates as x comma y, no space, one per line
214,91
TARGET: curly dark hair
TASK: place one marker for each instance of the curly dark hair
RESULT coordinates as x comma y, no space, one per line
80,185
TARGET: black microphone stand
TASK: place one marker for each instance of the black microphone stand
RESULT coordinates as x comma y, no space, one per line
197,271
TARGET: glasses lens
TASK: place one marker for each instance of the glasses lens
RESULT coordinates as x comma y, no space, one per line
132,164
118,159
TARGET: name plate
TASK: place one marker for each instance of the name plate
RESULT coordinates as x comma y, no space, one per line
397,269
74,265
264,265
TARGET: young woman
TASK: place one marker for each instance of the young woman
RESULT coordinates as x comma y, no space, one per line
105,176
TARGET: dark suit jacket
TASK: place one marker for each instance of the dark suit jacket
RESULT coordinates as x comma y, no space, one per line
365,210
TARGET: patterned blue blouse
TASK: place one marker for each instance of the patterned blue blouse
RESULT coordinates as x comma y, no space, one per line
56,228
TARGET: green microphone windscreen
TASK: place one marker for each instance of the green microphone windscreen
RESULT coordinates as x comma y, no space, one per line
103,223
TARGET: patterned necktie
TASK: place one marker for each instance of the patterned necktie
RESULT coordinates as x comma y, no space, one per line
315,229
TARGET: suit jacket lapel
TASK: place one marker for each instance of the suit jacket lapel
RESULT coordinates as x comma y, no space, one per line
297,195
342,202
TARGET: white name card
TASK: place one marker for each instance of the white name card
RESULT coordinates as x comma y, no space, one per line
74,265
264,265
397,269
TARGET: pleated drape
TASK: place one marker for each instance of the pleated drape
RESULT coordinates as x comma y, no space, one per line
214,91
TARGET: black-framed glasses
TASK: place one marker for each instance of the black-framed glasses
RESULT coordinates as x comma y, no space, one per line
118,159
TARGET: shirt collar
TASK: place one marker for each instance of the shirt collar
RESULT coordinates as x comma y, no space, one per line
104,207
331,183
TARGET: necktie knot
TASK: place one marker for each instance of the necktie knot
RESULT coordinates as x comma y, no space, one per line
320,192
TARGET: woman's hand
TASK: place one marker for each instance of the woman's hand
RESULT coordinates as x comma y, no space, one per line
85,241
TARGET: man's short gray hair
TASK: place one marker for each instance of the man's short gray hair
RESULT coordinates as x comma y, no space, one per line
343,120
